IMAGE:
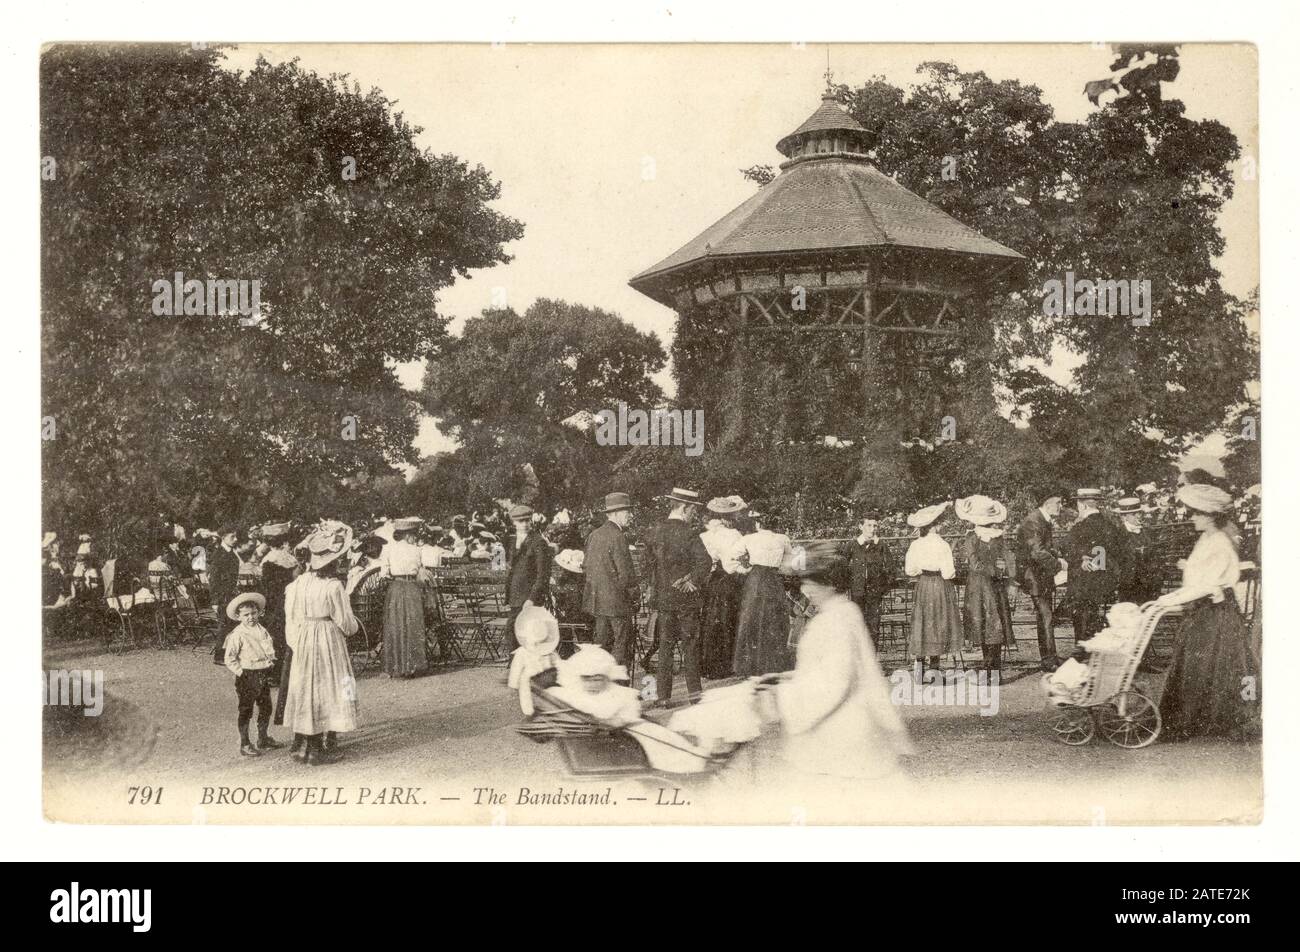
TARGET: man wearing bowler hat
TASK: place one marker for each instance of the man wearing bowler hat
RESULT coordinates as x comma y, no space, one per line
529,579
610,591
678,566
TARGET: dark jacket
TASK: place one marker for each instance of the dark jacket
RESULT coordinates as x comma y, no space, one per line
530,572
610,589
223,577
1035,555
1143,576
1094,537
872,570
675,550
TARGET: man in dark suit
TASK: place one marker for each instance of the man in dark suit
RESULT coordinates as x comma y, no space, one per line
610,592
1039,562
678,566
529,579
1097,554
1141,580
872,570
223,572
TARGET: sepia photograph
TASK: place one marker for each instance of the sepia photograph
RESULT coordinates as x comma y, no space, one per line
626,434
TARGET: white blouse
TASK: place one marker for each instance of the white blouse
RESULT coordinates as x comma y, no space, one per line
400,558
930,553
1211,567
763,547
720,542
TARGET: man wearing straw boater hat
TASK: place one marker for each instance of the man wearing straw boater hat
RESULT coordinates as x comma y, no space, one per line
678,565
610,590
1096,553
1141,576
529,579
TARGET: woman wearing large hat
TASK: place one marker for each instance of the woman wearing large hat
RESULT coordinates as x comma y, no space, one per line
322,698
405,654
989,563
936,616
1203,692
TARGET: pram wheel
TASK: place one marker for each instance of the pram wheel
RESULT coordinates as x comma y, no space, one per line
1072,725
1131,720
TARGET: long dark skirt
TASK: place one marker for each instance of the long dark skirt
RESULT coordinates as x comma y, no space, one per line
282,695
1211,670
404,651
763,626
718,629
936,618
987,611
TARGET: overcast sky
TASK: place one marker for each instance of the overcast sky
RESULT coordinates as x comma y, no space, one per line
613,156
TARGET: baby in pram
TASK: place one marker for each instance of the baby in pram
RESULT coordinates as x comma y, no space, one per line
1064,685
589,682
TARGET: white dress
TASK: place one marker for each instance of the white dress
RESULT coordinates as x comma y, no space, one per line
836,709
322,689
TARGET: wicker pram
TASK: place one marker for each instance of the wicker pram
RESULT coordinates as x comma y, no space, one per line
1106,700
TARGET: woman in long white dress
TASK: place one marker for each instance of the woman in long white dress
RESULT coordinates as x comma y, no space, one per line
835,707
322,698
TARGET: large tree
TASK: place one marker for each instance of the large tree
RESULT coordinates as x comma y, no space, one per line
162,160
1132,192
507,385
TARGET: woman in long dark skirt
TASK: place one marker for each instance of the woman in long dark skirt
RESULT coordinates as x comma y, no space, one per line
722,592
763,619
989,563
1207,690
936,614
405,654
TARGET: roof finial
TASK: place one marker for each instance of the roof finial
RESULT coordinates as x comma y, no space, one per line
830,85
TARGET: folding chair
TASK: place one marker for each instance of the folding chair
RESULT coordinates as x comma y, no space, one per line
455,623
163,586
368,609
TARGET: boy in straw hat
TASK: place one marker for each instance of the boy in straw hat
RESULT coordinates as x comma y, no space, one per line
249,656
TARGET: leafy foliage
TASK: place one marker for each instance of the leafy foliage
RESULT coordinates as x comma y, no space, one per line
505,387
1133,192
167,162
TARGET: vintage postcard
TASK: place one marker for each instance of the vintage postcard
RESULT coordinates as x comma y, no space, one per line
623,434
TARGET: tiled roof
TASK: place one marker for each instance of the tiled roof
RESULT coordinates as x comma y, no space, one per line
830,116
823,202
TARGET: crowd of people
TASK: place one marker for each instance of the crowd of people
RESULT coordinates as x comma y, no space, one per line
711,577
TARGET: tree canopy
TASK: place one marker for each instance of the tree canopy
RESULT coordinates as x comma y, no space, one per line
1131,193
507,385
165,161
